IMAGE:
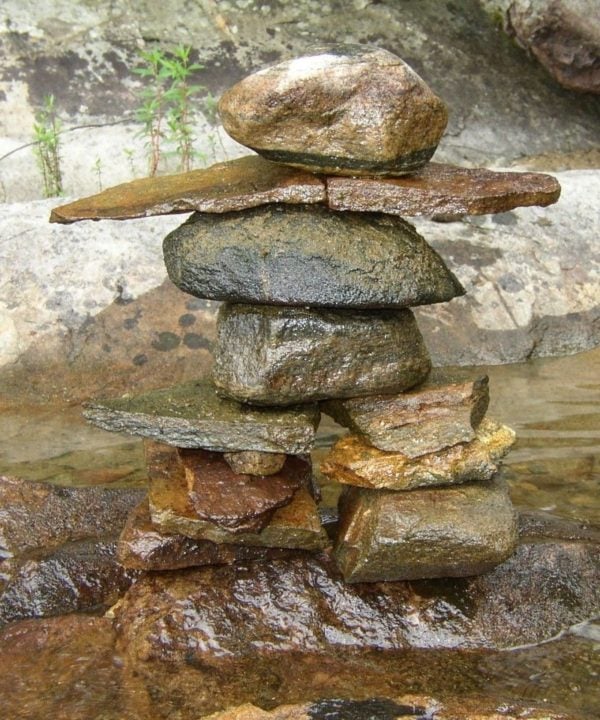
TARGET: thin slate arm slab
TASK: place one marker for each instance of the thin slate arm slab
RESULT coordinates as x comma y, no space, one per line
191,415
252,181
233,185
440,189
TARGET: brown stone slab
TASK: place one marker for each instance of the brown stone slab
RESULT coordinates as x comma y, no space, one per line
233,185
354,462
295,525
143,547
443,411
239,503
440,189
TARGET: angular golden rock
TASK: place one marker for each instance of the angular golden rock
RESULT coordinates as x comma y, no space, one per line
440,189
233,185
352,462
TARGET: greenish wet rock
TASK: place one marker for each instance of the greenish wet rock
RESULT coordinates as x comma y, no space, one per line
443,411
307,255
269,355
456,531
191,415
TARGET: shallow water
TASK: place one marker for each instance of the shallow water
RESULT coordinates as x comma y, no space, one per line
553,404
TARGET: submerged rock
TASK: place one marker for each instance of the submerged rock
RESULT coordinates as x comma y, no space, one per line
143,547
233,502
352,461
57,548
342,109
233,185
295,525
440,189
280,355
251,462
441,412
442,532
184,620
191,415
307,256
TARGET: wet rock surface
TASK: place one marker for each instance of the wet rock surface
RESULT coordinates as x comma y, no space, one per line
302,605
428,533
233,502
280,356
252,462
192,415
295,525
440,189
441,412
224,187
342,109
563,36
143,547
57,548
354,462
307,256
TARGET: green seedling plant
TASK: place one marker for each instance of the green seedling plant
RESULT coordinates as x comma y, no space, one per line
168,109
46,130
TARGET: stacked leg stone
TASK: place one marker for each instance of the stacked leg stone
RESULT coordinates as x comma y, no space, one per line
318,272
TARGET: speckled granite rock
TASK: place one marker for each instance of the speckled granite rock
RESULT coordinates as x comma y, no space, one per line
143,547
232,185
295,525
251,462
340,109
441,412
440,189
191,415
307,255
236,503
354,462
428,533
280,356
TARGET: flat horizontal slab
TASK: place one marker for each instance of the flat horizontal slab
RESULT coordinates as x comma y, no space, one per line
233,185
252,181
440,189
191,415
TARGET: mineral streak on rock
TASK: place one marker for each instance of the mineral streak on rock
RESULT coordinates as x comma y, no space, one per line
192,415
251,462
443,411
295,525
343,109
281,355
236,503
440,189
233,185
428,533
307,255
353,462
143,547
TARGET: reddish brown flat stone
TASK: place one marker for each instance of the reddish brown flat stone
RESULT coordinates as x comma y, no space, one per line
238,503
233,185
143,547
443,189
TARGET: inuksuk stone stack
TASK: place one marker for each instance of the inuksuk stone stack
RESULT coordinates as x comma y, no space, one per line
306,246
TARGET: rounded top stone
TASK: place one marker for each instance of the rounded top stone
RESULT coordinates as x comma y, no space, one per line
340,109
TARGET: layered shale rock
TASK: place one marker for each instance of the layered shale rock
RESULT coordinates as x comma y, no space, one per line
355,462
191,415
443,411
281,356
344,110
441,532
307,256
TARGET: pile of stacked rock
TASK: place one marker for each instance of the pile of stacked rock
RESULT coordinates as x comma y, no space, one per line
305,245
